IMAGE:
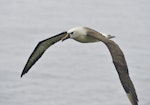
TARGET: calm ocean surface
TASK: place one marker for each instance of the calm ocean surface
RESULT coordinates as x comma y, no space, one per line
72,73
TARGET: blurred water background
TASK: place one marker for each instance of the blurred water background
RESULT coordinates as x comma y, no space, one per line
72,73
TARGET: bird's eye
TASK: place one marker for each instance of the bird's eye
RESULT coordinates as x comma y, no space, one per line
71,33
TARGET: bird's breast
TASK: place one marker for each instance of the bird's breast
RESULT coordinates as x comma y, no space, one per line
85,39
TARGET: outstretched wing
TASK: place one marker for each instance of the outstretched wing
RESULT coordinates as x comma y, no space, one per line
121,67
40,49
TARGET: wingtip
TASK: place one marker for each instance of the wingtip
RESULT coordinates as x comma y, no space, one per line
132,99
22,74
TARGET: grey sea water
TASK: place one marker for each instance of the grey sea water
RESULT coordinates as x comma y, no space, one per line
71,73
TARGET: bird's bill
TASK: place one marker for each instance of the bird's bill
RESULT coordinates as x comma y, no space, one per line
67,36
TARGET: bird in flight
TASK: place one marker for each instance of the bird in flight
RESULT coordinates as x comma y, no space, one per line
88,35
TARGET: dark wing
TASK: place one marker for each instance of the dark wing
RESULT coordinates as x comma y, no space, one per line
40,49
121,67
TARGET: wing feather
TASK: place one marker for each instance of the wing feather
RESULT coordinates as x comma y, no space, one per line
40,49
120,65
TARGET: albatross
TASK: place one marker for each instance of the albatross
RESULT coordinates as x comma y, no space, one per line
88,35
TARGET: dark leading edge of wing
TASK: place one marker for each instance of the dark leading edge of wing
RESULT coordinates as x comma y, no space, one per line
40,49
121,67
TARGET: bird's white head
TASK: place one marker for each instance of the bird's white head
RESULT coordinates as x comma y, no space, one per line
74,33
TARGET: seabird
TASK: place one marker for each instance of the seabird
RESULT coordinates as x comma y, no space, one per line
88,35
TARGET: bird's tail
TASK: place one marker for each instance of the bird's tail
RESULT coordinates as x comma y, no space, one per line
110,36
